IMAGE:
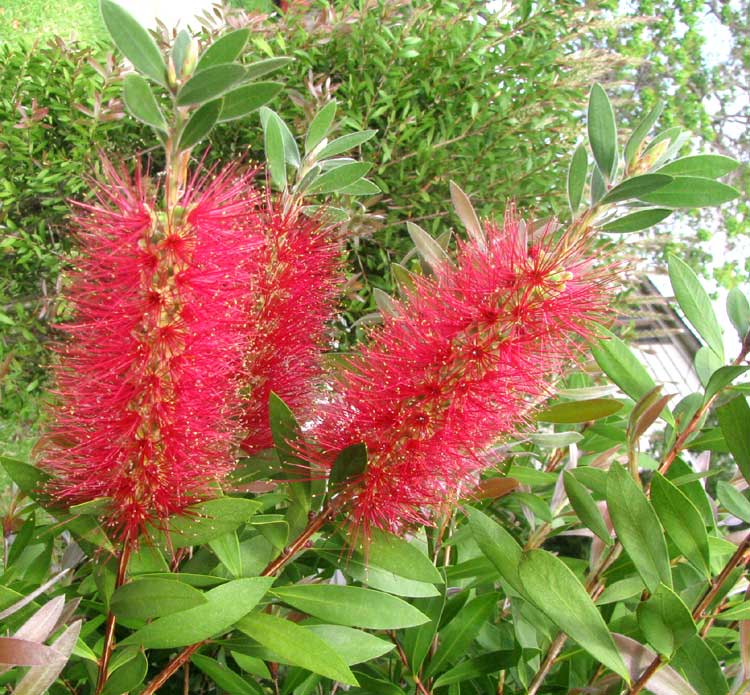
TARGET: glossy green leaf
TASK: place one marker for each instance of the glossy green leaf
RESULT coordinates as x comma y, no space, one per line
497,545
733,500
349,464
383,580
636,187
595,479
710,166
224,50
722,378
275,155
555,440
738,612
579,411
224,606
296,645
229,681
585,507
696,304
637,527
285,431
621,590
397,555
577,171
320,125
644,413
734,417
204,522
691,192
29,479
265,67
418,640
244,100
665,621
641,131
252,664
345,143
209,84
456,638
636,221
339,178
134,41
353,646
140,101
127,677
200,124
227,549
602,132
558,593
682,521
351,605
699,665
738,309
152,597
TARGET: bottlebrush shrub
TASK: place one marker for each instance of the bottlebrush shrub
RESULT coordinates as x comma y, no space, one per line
147,385
461,361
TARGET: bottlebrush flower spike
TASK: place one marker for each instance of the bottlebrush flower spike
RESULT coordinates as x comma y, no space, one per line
147,380
294,291
462,360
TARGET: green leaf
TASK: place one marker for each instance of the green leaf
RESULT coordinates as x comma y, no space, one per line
682,521
497,545
128,677
291,151
233,683
734,417
320,125
738,309
468,216
579,411
579,165
141,103
224,606
361,187
351,605
200,124
691,192
151,597
665,621
636,221
353,646
706,363
349,464
345,143
636,187
209,84
584,506
722,377
227,549
180,49
428,248
602,132
641,131
621,590
696,304
598,186
285,431
710,166
275,155
456,638
336,179
397,555
134,41
203,522
491,662
224,50
644,414
265,67
738,612
558,593
297,645
698,663
417,641
619,363
733,500
637,527
383,580
30,479
244,100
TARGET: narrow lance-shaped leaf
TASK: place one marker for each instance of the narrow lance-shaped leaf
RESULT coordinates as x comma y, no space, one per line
635,221
209,84
696,304
274,145
585,507
738,309
320,125
602,132
691,192
200,124
349,464
428,248
337,179
710,166
641,131
134,41
140,101
558,593
636,187
224,50
468,216
345,143
498,546
579,411
637,526
577,171
734,417
665,621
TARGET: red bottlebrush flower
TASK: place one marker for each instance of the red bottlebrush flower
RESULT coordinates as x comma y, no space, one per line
147,380
294,293
461,362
